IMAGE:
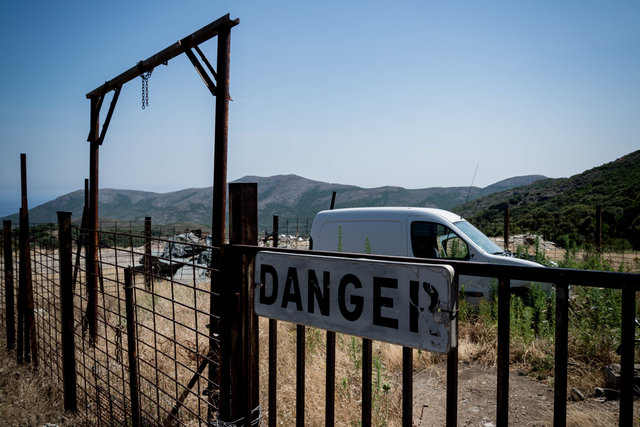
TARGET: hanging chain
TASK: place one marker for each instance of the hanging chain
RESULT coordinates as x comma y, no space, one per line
145,88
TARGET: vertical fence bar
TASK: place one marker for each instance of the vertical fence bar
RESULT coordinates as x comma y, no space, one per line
300,374
628,335
504,309
367,353
134,388
599,228
330,382
273,349
8,283
452,370
407,386
225,308
21,298
65,260
276,231
82,240
147,254
561,354
507,216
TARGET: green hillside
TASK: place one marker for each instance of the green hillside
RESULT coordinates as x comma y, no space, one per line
563,210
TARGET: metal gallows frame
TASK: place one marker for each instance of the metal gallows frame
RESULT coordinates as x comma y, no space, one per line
217,81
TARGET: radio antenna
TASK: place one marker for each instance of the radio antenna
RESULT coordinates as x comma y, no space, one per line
464,208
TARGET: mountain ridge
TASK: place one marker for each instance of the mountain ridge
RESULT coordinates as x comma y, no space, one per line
287,195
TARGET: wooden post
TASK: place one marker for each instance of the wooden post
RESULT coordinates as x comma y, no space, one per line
243,229
65,260
8,284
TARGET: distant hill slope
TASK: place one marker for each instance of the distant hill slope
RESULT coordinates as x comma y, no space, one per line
289,196
565,208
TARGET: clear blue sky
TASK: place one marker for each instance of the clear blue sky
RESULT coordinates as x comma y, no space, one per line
405,93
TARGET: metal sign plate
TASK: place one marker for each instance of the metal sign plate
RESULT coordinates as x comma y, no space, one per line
400,303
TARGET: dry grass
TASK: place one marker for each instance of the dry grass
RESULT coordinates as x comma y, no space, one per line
28,398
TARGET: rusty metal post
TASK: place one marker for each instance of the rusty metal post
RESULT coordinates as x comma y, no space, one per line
65,260
628,334
504,309
599,228
330,380
82,240
221,139
92,234
134,388
148,280
367,359
407,386
8,284
561,354
273,349
21,298
452,370
507,215
276,231
243,229
219,204
30,339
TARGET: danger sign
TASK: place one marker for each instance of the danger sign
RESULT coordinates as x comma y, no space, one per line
401,303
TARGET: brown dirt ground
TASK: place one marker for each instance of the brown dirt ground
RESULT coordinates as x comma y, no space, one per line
530,401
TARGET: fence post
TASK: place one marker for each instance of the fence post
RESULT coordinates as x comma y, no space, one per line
26,284
628,334
243,229
330,377
561,355
276,231
599,228
148,281
273,348
131,347
20,302
92,234
507,215
452,370
504,309
8,283
65,260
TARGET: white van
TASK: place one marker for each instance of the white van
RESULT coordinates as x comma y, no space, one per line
413,232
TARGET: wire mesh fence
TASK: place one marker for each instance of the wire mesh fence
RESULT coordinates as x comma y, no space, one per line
171,288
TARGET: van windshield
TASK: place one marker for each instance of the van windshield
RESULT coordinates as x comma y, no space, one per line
478,238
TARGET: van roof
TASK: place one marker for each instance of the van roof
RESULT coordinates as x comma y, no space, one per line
390,213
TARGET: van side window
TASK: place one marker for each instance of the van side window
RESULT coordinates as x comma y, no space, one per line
432,240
